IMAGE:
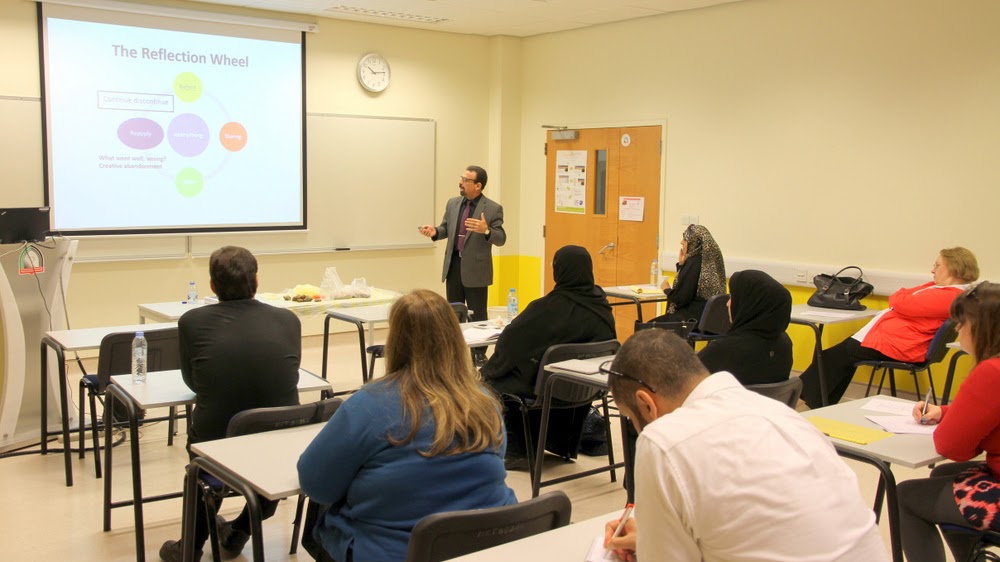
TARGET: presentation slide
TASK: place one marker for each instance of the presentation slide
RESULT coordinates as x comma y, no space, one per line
160,130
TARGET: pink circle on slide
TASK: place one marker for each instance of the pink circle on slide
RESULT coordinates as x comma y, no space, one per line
188,134
140,133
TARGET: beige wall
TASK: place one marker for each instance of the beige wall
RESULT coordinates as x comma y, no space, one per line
441,76
821,131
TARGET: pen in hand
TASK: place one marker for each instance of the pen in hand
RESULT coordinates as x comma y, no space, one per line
621,525
923,412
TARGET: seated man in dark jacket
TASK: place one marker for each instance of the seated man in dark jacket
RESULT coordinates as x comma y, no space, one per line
235,355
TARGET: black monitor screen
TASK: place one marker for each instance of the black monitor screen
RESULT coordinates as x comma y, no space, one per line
24,224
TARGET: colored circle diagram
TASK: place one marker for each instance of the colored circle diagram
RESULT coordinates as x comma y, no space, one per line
188,134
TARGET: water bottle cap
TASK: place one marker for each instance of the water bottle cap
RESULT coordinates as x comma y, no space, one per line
512,289
139,333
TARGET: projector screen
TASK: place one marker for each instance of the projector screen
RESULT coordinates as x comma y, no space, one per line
163,125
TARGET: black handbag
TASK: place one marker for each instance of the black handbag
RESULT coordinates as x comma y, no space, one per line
682,329
844,293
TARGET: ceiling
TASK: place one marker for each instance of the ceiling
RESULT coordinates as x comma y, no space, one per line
517,18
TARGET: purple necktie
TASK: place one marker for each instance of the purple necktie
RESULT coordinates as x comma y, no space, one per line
462,230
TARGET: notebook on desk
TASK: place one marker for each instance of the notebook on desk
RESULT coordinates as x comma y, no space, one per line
583,366
848,431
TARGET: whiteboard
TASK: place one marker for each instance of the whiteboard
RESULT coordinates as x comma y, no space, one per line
370,183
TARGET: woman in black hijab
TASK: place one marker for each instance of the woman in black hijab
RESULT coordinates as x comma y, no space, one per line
756,350
575,311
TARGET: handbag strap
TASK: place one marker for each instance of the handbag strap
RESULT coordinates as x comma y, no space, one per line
856,280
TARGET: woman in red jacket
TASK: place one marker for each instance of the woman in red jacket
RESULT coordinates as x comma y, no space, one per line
901,333
961,493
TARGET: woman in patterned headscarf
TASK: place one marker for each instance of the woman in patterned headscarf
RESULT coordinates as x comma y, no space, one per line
701,274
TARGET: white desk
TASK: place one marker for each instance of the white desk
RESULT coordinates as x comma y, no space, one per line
911,451
565,544
626,293
171,311
816,318
260,463
162,389
359,317
61,342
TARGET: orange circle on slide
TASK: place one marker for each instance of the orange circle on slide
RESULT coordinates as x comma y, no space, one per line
233,136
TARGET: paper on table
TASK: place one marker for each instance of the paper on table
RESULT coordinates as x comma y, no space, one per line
819,314
889,406
848,431
597,553
583,366
902,424
645,289
481,333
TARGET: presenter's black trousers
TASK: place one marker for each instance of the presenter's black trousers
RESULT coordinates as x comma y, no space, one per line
473,297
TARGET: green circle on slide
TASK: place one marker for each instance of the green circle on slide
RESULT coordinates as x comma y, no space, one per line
187,86
189,182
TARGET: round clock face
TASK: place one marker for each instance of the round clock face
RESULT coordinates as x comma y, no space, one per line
373,73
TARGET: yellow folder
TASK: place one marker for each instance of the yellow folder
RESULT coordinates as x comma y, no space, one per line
848,431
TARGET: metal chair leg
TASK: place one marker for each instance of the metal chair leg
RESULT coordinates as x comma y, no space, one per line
93,433
297,524
607,432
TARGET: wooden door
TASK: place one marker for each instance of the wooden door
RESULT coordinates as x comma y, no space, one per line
619,162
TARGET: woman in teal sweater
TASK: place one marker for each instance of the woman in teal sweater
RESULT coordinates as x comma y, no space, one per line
425,438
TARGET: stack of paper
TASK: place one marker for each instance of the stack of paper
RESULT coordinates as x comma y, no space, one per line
902,424
477,334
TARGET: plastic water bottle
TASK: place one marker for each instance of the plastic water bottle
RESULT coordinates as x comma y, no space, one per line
511,304
654,273
192,293
139,350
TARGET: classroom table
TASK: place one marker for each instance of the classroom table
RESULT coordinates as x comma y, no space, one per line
358,317
162,389
910,450
173,310
370,316
651,294
584,372
565,544
816,318
259,463
62,342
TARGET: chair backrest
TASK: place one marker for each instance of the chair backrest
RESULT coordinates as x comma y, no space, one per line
715,318
461,311
443,536
259,420
564,351
326,408
115,355
784,391
939,344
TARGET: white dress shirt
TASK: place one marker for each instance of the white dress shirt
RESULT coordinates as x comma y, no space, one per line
732,475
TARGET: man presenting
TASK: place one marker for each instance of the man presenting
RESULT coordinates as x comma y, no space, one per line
723,473
235,355
473,224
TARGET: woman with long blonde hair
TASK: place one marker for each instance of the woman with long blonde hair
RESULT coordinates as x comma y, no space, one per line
425,438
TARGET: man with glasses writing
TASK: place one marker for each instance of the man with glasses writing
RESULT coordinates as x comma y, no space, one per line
723,473
472,225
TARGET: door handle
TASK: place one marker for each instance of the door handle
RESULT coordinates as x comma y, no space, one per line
608,246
